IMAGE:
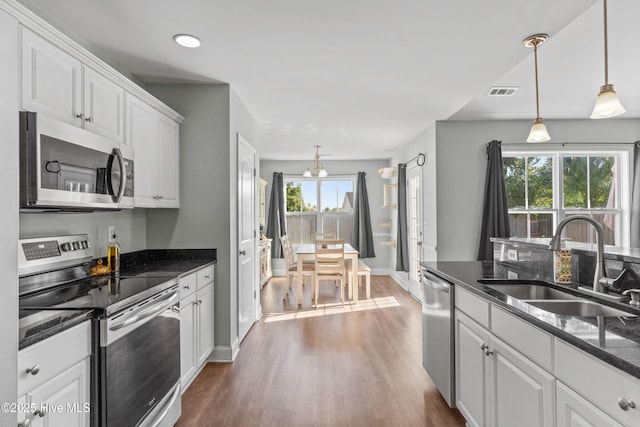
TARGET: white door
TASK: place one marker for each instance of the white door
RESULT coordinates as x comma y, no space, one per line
247,286
414,225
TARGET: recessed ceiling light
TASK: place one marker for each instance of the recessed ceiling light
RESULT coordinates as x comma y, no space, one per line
187,40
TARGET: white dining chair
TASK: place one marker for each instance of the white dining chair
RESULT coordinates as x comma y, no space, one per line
291,267
329,265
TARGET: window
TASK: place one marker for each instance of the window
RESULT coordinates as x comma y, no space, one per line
545,187
334,197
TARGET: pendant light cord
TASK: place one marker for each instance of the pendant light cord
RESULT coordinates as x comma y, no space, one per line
535,56
606,46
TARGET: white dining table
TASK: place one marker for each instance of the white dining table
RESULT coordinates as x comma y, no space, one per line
308,251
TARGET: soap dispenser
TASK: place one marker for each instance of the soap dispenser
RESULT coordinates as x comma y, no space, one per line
113,255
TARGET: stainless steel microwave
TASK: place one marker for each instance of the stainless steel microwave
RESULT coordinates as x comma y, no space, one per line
66,168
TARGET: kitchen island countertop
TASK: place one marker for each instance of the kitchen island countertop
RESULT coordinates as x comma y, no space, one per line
614,340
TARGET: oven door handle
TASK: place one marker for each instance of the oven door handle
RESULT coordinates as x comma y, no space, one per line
160,305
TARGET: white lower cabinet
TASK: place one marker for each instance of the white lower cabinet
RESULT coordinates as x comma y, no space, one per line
62,401
496,385
471,370
196,323
54,380
576,411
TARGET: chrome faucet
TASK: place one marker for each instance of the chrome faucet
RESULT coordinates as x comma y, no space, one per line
600,271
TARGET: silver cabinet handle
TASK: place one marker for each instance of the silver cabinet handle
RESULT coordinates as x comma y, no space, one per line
195,303
186,287
34,370
625,404
206,277
25,423
199,301
80,116
40,412
243,252
485,348
88,119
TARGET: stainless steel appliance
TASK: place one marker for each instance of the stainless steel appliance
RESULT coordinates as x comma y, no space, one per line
66,168
136,326
438,334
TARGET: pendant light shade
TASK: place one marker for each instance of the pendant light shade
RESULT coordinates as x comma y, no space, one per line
607,102
538,131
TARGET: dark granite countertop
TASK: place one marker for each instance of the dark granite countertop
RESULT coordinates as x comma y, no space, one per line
150,263
612,339
71,319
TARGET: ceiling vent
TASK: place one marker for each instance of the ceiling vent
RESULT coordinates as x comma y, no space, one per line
502,91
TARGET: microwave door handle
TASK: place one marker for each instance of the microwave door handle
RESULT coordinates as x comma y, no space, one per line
123,176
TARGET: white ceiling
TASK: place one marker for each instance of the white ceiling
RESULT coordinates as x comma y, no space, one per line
362,77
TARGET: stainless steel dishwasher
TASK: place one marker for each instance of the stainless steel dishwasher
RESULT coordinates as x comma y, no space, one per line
438,334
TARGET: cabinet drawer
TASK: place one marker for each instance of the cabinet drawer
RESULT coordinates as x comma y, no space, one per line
205,276
534,343
187,285
52,356
473,306
598,382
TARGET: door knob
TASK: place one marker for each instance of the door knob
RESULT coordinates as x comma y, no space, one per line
243,252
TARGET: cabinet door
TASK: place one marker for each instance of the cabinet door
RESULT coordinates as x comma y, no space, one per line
142,134
575,411
168,163
205,323
522,394
64,399
471,370
103,105
188,339
51,80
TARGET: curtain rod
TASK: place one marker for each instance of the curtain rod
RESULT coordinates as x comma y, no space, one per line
602,144
420,159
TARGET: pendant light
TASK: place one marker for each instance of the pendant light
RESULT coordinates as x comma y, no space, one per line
607,102
318,168
538,130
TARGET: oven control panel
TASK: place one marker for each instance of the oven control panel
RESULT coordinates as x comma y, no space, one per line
36,255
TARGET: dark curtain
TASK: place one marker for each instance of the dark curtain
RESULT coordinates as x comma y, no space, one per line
402,246
361,235
495,214
276,224
635,198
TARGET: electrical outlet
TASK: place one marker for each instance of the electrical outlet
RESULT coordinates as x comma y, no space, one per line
512,255
111,232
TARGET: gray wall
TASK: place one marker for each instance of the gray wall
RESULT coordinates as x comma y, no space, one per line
130,227
461,169
374,190
204,217
9,84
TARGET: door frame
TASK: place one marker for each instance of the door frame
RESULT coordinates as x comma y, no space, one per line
242,142
415,287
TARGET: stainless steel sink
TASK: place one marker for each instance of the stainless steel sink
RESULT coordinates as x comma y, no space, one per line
579,308
532,292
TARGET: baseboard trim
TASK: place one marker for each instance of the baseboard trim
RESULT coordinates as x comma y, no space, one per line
380,272
401,279
225,353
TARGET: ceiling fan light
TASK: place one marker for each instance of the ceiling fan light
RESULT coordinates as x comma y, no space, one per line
538,132
307,173
607,104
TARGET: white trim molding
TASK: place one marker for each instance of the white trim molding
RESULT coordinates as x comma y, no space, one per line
225,353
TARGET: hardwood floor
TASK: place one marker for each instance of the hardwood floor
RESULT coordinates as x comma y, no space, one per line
360,365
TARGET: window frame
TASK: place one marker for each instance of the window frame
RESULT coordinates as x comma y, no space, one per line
319,213
623,181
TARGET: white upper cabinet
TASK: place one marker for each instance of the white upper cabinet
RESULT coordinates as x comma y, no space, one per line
51,80
168,164
103,105
155,139
58,85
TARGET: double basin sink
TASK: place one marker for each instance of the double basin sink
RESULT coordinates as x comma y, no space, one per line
553,300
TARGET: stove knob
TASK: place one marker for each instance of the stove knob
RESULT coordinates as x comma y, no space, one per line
83,244
76,246
65,247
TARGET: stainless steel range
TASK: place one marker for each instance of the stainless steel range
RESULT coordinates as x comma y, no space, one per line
136,328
